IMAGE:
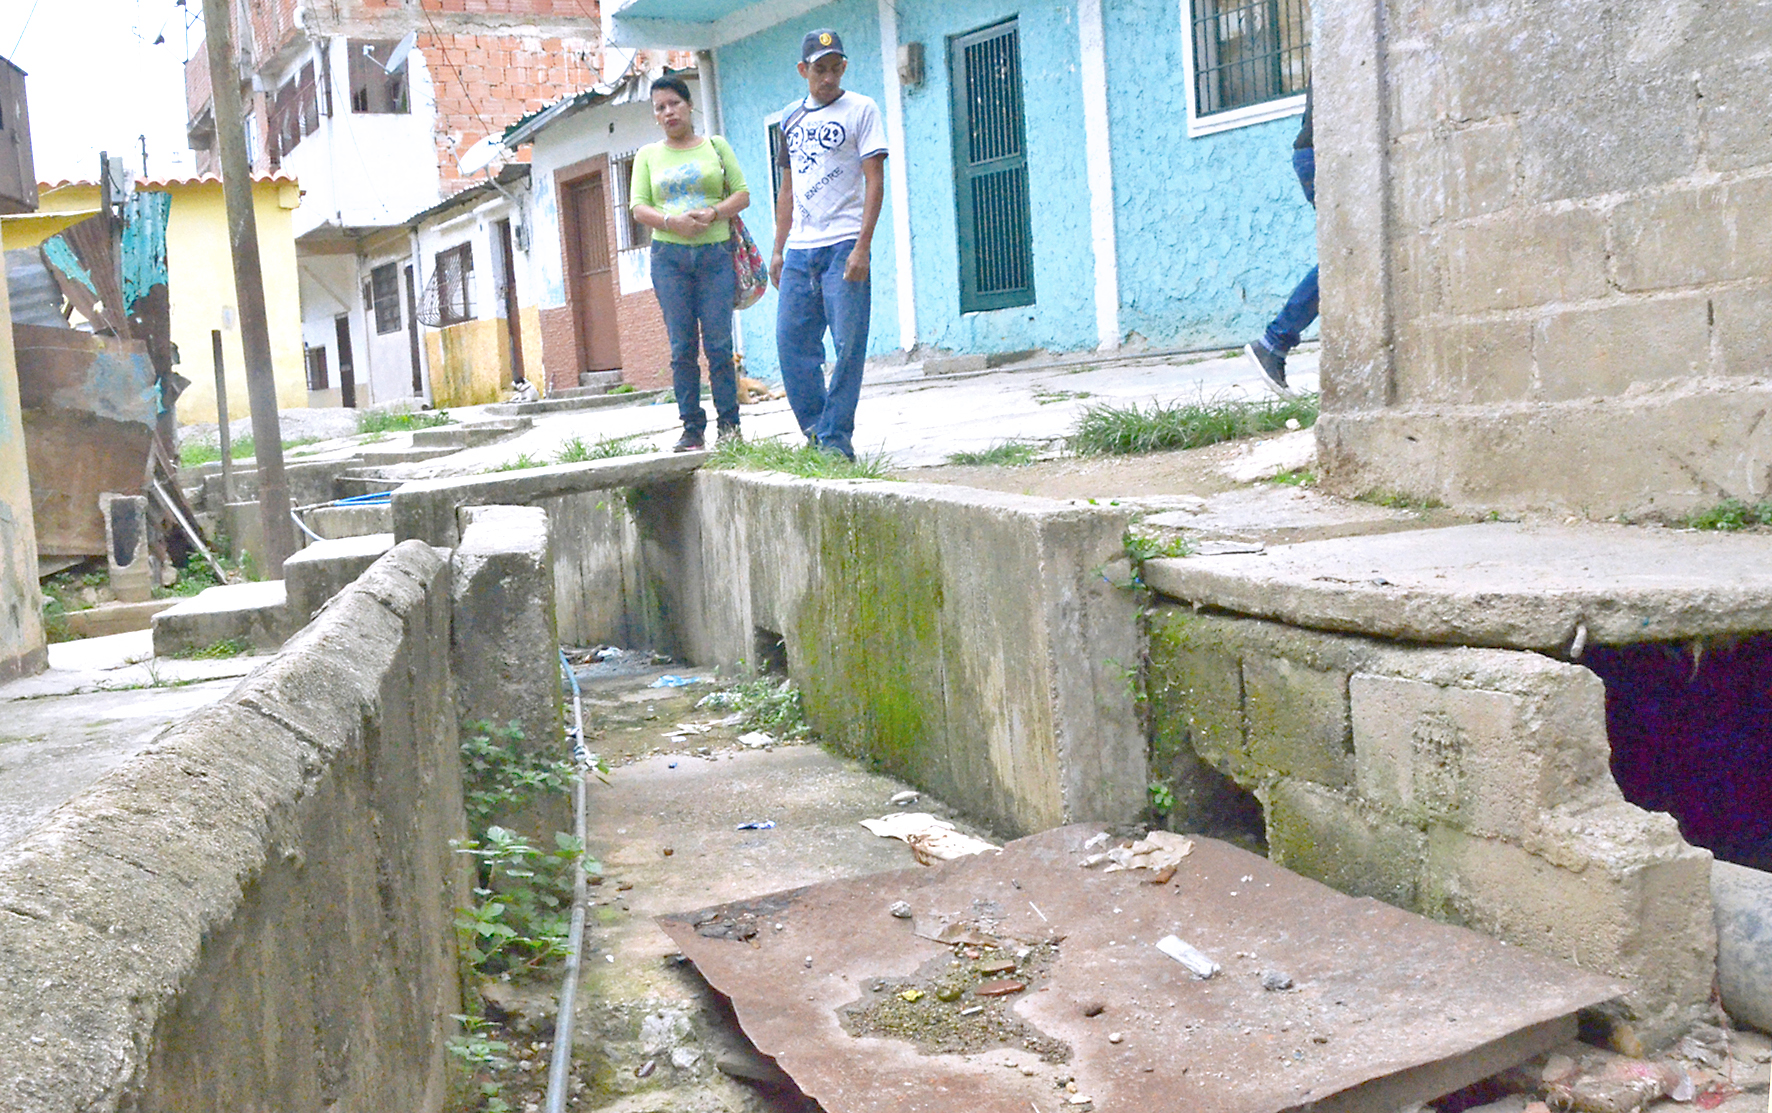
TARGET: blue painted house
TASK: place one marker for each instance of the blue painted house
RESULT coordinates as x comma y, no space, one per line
1064,174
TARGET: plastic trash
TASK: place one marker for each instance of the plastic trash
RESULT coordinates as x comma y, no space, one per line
756,739
668,681
900,799
757,825
1195,960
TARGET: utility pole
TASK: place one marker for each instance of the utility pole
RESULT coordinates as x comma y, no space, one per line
249,287
144,143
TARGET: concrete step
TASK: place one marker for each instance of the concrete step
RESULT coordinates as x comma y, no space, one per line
254,613
596,380
469,435
324,568
376,459
333,522
553,405
114,618
358,483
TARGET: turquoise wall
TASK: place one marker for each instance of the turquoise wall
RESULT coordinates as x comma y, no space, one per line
1212,232
757,80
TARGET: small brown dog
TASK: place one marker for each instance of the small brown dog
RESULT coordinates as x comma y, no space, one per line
751,391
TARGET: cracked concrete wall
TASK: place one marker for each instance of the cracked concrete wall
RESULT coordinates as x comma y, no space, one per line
22,646
1546,272
1471,785
964,640
256,911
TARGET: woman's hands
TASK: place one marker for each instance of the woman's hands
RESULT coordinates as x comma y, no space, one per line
692,223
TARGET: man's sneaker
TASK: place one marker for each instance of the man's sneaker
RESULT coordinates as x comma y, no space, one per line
691,441
728,433
1272,366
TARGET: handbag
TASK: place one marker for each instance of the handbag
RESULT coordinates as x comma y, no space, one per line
748,266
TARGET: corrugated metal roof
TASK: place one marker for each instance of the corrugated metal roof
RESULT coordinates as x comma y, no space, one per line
633,87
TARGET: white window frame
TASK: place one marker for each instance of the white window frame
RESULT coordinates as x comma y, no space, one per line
1237,117
621,170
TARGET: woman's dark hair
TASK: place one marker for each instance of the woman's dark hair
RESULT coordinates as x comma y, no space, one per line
675,84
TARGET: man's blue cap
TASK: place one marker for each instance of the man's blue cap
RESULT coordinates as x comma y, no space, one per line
819,43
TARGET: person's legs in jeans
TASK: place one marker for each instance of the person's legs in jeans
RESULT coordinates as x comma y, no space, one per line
674,283
715,288
1301,308
799,333
849,306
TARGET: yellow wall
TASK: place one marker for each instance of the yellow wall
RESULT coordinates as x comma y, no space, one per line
470,363
21,617
529,328
200,279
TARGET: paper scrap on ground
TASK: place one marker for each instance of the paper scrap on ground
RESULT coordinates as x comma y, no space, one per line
931,840
1160,850
1191,957
755,739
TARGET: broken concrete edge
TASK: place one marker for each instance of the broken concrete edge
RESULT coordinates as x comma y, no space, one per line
1471,785
125,914
425,509
1555,619
964,639
321,570
504,633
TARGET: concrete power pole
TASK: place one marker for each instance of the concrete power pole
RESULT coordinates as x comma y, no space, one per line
249,287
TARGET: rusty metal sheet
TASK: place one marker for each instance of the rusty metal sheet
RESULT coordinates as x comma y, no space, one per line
89,411
1385,1007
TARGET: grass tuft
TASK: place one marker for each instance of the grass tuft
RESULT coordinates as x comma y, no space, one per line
576,451
523,460
795,459
216,651
1110,430
1730,515
1012,454
401,421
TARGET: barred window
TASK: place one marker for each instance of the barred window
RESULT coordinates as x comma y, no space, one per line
1246,54
629,233
384,297
455,284
991,169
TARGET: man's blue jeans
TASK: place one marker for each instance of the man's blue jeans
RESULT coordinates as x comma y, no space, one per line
815,297
1301,308
695,287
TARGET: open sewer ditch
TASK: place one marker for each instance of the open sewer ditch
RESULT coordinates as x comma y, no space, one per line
1031,978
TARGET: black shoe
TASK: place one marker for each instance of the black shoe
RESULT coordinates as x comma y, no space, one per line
692,440
1272,366
727,433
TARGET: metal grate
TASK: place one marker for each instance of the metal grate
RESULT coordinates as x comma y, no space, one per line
990,170
1249,51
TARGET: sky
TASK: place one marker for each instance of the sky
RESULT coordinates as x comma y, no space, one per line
96,82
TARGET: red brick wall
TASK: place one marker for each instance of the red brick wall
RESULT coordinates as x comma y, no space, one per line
559,348
645,346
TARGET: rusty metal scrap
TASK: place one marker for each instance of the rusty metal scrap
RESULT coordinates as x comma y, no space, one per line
1379,1007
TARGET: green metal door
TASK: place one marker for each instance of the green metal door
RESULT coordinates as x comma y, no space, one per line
991,169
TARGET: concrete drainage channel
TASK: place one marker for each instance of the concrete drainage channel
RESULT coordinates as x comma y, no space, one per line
1391,723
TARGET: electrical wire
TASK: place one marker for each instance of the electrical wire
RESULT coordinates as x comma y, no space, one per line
26,27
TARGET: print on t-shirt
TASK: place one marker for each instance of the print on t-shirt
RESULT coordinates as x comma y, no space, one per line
823,147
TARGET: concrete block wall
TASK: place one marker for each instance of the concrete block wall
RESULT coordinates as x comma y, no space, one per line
504,638
962,639
1546,279
256,911
1472,785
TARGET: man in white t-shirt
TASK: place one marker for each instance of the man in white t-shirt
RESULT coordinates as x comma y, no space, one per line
833,161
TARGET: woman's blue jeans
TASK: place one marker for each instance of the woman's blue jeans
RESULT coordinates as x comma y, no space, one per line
695,287
1301,308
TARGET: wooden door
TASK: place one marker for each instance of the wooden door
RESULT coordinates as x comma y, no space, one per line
347,366
591,275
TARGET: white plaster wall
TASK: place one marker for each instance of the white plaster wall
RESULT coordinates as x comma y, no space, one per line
367,170
386,361
330,287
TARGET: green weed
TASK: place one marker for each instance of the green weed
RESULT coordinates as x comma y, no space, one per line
767,704
1011,454
1111,430
1298,477
523,460
1162,798
621,388
1044,397
1397,500
795,459
576,451
216,651
1141,547
1730,515
401,421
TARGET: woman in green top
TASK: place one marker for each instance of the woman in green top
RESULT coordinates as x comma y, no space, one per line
687,188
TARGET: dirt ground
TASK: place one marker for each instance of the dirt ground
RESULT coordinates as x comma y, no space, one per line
1193,471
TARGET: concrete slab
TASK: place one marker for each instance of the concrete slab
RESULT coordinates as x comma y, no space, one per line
117,662
1277,514
1501,584
1374,1009
256,613
114,618
333,522
320,571
425,509
551,404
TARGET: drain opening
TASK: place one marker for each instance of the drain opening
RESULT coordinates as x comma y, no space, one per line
770,652
1691,731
